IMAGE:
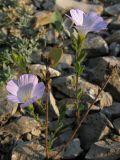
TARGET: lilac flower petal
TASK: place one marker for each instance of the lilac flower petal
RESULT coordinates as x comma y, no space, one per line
77,16
26,79
100,26
30,101
85,23
91,21
91,18
13,98
38,90
12,87
25,92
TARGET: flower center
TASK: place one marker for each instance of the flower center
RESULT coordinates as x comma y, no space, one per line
25,93
26,97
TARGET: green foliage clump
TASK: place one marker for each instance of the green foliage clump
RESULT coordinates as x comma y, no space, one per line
18,38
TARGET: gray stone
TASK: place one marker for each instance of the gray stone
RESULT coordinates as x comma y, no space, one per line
115,37
111,2
93,129
37,3
73,150
21,126
65,69
48,5
63,137
65,122
66,58
65,63
96,46
115,23
104,150
97,67
116,124
114,49
69,103
36,57
113,10
112,111
29,137
66,85
98,70
28,151
59,95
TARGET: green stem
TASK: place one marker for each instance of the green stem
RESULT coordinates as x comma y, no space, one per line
77,100
78,52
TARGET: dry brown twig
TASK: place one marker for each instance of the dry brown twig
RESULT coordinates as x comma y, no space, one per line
47,101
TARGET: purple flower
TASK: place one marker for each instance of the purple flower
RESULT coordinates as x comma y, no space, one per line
26,90
87,22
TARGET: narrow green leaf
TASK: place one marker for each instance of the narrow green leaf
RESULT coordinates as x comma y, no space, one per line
79,93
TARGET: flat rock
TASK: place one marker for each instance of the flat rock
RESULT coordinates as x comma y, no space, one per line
112,111
28,151
66,85
114,49
113,10
48,5
67,59
102,150
73,150
70,106
66,122
70,4
21,126
115,23
98,70
116,124
96,46
93,129
63,137
114,37
64,65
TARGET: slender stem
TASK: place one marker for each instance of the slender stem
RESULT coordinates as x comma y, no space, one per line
77,100
78,51
46,129
46,120
83,119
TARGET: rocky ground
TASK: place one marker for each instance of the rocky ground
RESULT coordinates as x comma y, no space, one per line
22,137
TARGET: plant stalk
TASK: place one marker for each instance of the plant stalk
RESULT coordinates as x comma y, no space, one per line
83,119
46,120
77,100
